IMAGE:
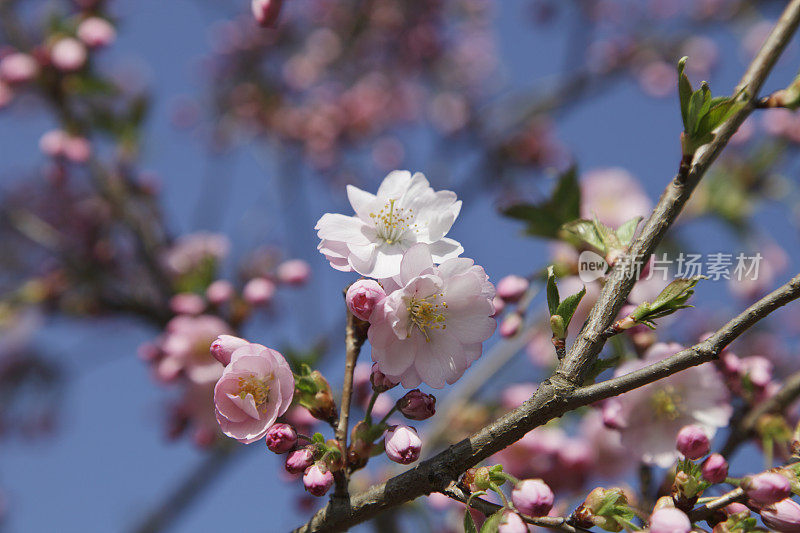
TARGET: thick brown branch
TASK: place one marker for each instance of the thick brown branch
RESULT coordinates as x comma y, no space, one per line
551,400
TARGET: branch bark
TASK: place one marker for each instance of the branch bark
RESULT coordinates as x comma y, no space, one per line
560,393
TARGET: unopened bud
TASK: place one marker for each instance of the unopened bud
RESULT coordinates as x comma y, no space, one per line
281,438
766,488
417,405
512,288
402,444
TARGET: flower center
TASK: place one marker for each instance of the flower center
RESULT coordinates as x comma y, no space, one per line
428,313
392,221
667,403
259,388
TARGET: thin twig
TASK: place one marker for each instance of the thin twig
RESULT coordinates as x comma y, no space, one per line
708,509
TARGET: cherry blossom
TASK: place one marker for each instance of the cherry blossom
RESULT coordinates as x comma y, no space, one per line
405,211
431,329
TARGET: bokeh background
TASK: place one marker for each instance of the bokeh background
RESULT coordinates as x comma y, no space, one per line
596,81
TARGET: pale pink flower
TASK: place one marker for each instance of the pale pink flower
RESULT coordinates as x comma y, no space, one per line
258,291
511,325
613,195
224,346
405,211
194,251
293,272
511,523
532,497
96,32
512,287
692,442
767,488
255,389
266,11
363,296
715,468
782,516
18,67
185,345
220,292
187,303
653,414
318,479
431,329
402,444
669,520
68,54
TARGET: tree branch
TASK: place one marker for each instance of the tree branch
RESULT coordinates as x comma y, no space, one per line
558,395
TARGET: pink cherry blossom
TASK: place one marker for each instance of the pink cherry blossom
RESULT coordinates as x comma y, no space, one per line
293,272
18,67
281,438
652,415
692,442
431,329
194,251
185,344
220,292
187,303
715,468
68,54
224,346
512,287
318,479
96,32
782,516
767,488
402,444
255,389
258,291
613,195
532,497
512,523
669,520
405,211
363,296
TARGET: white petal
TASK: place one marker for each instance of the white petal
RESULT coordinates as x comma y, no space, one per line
416,260
394,184
454,267
361,201
395,357
471,328
440,360
445,249
385,264
336,227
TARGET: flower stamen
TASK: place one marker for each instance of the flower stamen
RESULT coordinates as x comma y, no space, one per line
428,313
259,388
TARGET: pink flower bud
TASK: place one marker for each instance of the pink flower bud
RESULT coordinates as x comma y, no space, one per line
266,11
52,143
68,54
735,508
532,497
224,346
669,520
293,272
96,32
220,292
499,304
715,468
299,460
18,68
363,296
510,325
613,415
77,149
782,516
511,288
318,479
757,369
187,303
511,523
281,438
692,442
402,444
379,381
417,405
766,488
258,291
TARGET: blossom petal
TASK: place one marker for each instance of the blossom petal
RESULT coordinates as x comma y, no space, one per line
439,361
361,202
394,184
445,249
336,227
416,260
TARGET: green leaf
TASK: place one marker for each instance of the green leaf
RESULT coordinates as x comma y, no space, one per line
567,308
469,523
684,91
545,219
553,298
492,524
693,113
627,230
672,298
585,231
718,114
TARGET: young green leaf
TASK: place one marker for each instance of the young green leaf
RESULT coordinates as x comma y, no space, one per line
545,219
627,230
684,91
492,523
585,231
672,298
567,308
552,291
